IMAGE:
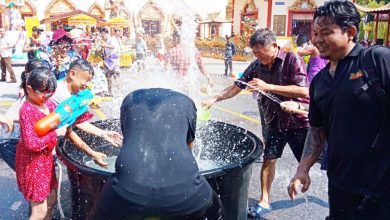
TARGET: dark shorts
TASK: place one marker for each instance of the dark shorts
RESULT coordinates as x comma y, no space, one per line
275,141
111,73
110,205
140,56
8,152
349,206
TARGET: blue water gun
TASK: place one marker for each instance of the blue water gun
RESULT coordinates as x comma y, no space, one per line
66,113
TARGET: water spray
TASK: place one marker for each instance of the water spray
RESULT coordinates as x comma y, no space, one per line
270,96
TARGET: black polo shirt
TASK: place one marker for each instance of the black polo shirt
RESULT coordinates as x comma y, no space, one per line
155,167
351,119
287,69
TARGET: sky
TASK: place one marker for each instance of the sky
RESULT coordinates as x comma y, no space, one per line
201,6
208,6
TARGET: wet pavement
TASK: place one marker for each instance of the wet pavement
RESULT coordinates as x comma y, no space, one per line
240,110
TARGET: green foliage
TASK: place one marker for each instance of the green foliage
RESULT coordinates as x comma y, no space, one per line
382,26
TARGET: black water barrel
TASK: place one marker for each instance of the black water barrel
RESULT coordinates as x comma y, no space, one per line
235,147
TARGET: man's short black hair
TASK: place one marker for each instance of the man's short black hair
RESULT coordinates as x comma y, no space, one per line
82,64
104,30
263,37
37,29
342,13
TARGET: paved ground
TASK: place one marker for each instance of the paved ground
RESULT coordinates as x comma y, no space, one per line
240,110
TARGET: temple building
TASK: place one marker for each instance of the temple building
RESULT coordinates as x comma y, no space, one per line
214,25
12,13
287,18
54,14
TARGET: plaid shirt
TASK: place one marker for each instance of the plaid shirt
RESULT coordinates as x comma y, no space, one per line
180,61
287,69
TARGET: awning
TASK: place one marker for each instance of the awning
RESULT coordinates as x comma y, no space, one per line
118,21
81,19
383,9
69,15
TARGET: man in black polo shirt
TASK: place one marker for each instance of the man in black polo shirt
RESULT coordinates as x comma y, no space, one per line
349,108
156,173
283,74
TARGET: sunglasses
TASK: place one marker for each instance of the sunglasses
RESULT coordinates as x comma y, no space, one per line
45,94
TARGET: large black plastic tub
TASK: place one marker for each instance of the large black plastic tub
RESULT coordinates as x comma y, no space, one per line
234,147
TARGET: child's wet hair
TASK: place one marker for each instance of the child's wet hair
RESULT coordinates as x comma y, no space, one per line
31,65
41,79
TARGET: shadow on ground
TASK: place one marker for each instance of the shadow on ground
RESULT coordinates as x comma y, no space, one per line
286,204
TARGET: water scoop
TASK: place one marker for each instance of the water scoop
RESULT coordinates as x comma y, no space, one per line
203,115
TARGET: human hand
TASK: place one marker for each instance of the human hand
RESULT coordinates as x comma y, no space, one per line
115,138
21,93
7,122
258,84
300,178
293,107
61,131
208,103
99,158
209,81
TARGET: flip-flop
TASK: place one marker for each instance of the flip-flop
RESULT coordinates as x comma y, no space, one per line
258,210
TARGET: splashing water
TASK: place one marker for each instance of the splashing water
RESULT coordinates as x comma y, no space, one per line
155,75
268,95
203,164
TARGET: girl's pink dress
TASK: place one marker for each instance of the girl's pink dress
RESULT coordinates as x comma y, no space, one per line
35,171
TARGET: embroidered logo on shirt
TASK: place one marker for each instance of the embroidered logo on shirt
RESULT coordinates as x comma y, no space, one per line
356,75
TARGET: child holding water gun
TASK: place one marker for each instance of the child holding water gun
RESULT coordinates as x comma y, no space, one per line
8,145
34,155
35,171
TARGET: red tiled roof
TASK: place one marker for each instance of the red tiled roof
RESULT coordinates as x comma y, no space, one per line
71,14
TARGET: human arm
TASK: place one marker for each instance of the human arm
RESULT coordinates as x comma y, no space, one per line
27,47
4,120
296,84
190,145
107,45
305,51
8,45
227,93
236,88
113,137
98,157
28,118
290,91
192,117
314,144
201,67
293,107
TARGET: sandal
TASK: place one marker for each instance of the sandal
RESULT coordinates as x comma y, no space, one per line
257,211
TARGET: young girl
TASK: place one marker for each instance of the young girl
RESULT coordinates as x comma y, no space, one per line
34,160
8,147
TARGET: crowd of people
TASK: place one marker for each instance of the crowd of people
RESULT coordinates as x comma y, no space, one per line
344,87
56,70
